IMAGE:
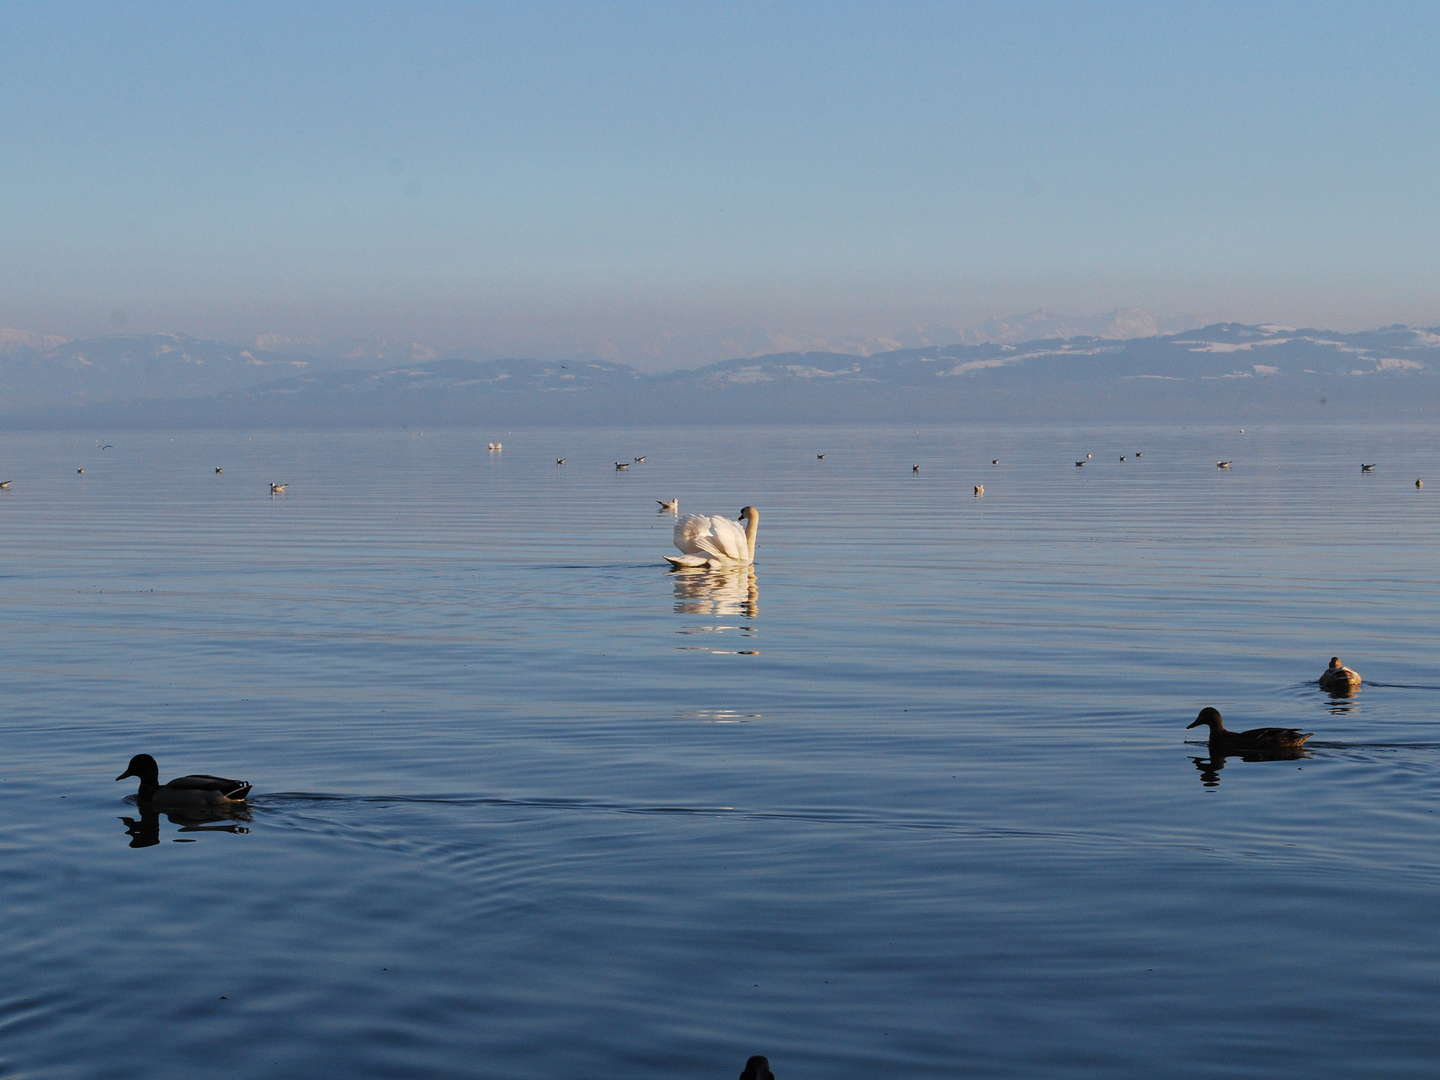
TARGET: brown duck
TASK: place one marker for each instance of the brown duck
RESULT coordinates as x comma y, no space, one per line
1264,738
1339,677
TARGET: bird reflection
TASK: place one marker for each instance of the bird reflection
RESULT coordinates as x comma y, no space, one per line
1209,767
729,591
145,830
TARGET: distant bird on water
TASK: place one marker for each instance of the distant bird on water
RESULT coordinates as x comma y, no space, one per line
640,459
1080,464
559,461
1339,677
914,468
757,1068
5,484
1419,483
994,461
80,471
979,489
196,790
219,469
1139,453
819,457
1367,468
670,506
278,489
1264,738
494,446
622,464
1223,464
1122,457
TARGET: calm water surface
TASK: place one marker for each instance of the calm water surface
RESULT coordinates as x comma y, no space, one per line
914,798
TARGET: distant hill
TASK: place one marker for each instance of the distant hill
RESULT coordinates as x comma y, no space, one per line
1227,370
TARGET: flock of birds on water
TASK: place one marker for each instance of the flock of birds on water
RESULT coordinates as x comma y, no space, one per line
711,542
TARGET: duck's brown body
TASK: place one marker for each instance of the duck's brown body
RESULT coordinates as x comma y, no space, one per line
1339,677
196,790
1265,738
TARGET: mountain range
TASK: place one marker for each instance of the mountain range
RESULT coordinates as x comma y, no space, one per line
1218,372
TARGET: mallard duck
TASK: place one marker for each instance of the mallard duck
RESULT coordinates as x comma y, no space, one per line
278,489
979,489
1223,464
1339,677
197,790
757,1067
1263,738
1367,468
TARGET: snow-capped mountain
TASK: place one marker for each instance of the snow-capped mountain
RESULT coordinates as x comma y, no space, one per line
1227,369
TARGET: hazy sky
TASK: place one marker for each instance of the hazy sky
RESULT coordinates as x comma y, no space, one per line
536,177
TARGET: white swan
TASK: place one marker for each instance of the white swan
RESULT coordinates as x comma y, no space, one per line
714,541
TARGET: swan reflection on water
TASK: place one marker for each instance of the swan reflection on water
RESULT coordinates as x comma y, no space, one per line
727,592
730,591
145,830
1209,767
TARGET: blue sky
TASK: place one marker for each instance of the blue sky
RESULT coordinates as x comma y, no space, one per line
644,179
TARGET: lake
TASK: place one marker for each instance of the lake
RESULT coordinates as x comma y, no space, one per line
913,798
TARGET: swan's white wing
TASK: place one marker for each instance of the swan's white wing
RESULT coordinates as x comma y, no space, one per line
689,529
712,537
729,539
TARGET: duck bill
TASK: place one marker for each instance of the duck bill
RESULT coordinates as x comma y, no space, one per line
1193,723
126,773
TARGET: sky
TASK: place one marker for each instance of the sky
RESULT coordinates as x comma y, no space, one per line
669,184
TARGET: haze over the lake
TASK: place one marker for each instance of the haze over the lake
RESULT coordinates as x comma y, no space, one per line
670,185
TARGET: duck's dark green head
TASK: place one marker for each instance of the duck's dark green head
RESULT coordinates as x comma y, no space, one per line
1208,715
143,767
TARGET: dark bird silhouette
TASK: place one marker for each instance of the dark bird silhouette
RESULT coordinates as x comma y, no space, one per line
1263,738
757,1068
197,790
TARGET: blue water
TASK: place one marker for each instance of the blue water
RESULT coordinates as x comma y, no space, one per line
913,798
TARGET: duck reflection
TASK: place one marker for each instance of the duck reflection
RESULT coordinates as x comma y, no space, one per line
144,831
1209,767
1341,704
729,591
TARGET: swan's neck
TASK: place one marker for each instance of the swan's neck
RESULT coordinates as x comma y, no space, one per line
752,526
